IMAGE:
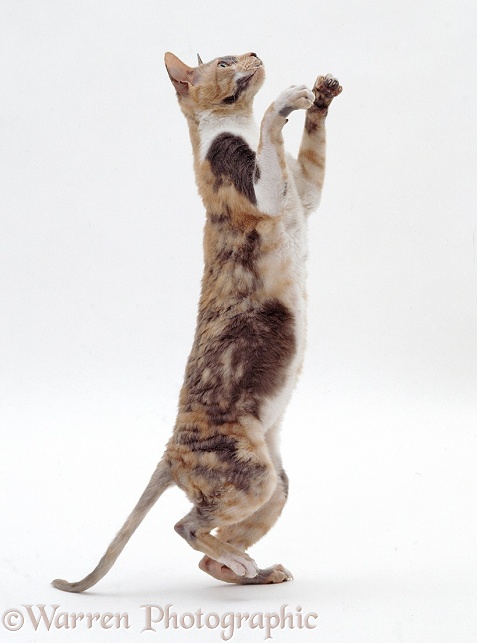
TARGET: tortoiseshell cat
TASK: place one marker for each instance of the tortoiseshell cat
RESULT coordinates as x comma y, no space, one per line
250,337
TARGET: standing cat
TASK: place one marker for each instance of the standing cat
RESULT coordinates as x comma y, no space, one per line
250,337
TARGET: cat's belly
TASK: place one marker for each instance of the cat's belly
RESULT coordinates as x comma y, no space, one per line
287,277
273,407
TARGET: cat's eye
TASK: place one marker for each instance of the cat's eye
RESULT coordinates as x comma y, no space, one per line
222,63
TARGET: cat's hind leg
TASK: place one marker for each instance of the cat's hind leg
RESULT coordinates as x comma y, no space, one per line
198,536
247,532
244,534
269,576
225,494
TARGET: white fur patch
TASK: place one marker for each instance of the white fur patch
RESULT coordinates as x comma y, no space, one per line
289,262
270,188
211,125
294,97
241,565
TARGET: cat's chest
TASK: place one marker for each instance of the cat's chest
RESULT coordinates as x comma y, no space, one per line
211,127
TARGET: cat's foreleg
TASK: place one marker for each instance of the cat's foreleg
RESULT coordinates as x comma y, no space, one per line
310,173
271,174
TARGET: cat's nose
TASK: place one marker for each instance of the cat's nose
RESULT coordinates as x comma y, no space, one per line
250,60
255,59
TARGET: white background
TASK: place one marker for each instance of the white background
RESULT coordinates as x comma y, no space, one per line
100,264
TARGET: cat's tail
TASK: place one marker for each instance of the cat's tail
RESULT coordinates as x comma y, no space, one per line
160,481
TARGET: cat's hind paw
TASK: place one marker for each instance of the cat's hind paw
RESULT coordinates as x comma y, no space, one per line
241,564
272,575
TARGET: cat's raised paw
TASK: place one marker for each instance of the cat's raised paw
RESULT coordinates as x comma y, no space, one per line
326,88
295,97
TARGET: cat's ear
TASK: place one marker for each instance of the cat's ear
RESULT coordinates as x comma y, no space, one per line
179,73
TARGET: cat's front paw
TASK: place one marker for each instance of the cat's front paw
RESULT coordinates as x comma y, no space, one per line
326,88
295,97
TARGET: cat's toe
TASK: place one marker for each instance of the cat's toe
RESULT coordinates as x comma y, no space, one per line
328,85
242,565
326,88
278,574
332,85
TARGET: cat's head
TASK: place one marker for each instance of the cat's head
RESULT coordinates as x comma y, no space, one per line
224,84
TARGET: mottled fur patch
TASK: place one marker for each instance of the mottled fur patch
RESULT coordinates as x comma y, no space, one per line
238,361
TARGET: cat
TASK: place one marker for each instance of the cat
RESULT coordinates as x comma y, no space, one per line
250,337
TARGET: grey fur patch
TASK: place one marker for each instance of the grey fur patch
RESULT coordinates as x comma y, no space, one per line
231,158
285,482
286,111
240,86
242,475
260,344
230,60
